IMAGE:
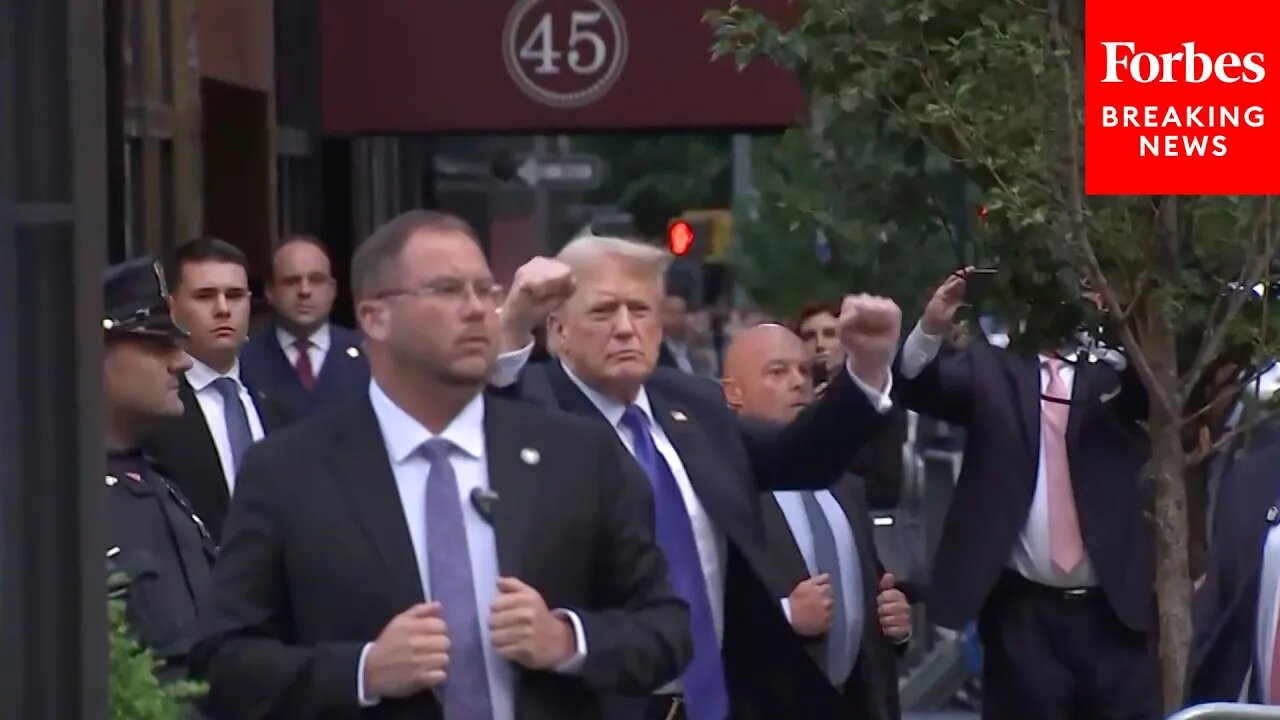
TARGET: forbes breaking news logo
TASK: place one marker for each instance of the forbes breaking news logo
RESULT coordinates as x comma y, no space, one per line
1181,105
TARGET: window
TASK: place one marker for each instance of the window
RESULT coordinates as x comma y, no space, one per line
161,195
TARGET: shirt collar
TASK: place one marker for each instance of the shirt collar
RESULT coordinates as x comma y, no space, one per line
319,339
404,435
610,408
201,376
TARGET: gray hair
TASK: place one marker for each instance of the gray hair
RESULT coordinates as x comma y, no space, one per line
586,249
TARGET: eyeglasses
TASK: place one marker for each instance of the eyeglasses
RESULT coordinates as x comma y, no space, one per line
451,290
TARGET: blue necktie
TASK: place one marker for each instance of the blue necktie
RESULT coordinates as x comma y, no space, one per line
839,654
705,695
466,691
238,432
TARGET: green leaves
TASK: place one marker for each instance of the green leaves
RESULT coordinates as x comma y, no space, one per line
135,692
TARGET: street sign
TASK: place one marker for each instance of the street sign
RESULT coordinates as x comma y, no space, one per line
566,172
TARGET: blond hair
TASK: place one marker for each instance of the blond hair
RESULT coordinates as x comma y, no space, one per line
585,250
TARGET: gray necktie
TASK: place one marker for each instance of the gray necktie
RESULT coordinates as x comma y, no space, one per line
466,691
839,654
238,432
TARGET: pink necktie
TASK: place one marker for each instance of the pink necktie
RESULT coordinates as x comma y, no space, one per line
1066,547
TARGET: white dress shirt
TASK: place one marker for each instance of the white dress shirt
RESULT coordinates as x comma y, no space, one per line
1030,557
201,378
317,351
792,505
1268,604
711,542
404,437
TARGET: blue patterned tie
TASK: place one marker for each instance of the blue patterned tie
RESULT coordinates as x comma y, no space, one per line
466,692
705,695
839,655
238,432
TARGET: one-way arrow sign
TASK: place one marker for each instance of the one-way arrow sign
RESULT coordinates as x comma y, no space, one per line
566,172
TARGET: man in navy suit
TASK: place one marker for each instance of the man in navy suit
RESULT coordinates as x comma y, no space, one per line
706,467
1046,541
301,359
1233,646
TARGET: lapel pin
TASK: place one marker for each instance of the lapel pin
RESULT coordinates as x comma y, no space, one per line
1272,514
530,456
353,352
111,481
678,416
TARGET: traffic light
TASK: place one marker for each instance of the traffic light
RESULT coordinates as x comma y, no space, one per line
680,238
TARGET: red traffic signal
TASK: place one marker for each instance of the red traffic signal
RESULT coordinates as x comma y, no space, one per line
680,237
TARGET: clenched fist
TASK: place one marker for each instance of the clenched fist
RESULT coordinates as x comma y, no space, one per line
869,330
539,287
410,655
894,610
524,631
811,606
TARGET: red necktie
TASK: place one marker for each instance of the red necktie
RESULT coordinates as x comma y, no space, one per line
306,375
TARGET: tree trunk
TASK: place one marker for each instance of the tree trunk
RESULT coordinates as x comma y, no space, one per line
1167,473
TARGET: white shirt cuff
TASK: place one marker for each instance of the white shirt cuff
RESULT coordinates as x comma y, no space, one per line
572,665
507,370
786,609
918,351
880,399
364,701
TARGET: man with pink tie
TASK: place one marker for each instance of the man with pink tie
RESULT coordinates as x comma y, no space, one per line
1045,542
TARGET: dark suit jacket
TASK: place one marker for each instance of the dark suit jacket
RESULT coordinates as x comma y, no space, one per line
995,394
1225,609
265,367
293,609
184,452
872,688
729,462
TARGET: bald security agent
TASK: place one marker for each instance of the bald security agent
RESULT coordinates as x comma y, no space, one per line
829,579
154,537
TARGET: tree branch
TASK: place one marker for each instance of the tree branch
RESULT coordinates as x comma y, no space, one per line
1215,331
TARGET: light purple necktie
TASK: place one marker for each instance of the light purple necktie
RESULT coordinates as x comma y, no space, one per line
465,693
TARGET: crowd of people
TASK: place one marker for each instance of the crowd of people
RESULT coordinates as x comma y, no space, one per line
558,500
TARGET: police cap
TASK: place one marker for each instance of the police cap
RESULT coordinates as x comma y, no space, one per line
135,302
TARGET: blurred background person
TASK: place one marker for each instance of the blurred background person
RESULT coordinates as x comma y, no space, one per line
301,359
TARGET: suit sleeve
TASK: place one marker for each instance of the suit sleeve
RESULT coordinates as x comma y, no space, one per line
640,640
815,449
935,379
252,671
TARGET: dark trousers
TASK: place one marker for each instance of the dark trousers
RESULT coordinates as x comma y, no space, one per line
1051,654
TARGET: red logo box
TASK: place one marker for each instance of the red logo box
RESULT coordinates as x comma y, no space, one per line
1182,97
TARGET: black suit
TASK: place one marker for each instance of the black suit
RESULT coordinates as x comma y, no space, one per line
995,394
185,453
343,376
298,594
1225,610
872,688
729,461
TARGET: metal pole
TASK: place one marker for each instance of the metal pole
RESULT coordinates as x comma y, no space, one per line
53,236
1228,711
542,199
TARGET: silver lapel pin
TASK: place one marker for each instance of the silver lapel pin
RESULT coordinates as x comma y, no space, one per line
530,456
352,352
678,416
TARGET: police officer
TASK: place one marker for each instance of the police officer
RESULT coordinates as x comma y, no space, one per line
154,538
